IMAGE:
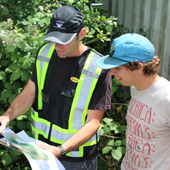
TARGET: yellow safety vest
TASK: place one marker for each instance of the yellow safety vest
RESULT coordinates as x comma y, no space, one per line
84,90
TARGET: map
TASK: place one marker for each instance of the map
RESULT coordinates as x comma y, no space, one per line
38,158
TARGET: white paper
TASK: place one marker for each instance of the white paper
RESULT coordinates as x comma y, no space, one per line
38,158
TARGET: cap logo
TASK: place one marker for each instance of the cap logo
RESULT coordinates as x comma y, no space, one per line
59,24
112,50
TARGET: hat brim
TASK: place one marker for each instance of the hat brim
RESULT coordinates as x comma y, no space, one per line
108,62
59,37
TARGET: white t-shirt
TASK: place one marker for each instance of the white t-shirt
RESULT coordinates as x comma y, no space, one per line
148,128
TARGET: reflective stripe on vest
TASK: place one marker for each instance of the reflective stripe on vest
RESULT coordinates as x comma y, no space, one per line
42,63
84,91
85,87
59,135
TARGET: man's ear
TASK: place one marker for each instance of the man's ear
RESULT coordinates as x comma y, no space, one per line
82,33
140,67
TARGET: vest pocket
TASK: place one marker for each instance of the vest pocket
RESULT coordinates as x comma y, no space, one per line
64,105
65,100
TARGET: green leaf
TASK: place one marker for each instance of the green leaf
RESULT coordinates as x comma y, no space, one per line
70,2
92,31
33,20
116,81
21,125
4,62
107,120
6,93
103,17
117,124
86,1
3,152
8,85
112,125
42,21
22,59
22,44
25,22
5,11
117,143
101,39
29,133
105,38
39,39
26,64
106,129
107,149
21,117
16,85
14,154
117,154
10,48
110,142
12,97
124,141
114,88
39,15
25,76
90,36
19,90
5,1
123,128
2,75
6,160
27,168
117,131
15,75
109,28
122,149
14,66
1,112
101,132
12,123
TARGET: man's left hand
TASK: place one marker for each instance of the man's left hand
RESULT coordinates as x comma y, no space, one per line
54,150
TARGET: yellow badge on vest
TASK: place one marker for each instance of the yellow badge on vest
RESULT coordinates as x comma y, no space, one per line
74,79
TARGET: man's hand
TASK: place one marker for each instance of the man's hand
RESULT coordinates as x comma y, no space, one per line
4,121
19,105
54,150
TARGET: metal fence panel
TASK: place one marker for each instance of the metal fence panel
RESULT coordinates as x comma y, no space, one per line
151,15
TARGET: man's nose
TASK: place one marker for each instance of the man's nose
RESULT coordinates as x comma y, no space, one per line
57,45
113,71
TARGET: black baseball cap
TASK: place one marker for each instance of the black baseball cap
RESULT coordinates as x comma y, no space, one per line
65,23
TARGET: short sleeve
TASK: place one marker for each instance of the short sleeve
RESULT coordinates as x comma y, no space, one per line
166,117
33,74
101,98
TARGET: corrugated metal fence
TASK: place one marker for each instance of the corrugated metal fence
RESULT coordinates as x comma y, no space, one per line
151,15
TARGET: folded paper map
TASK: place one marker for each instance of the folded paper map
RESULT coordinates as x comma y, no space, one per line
38,158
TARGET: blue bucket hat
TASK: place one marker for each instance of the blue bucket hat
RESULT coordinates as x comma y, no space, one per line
127,48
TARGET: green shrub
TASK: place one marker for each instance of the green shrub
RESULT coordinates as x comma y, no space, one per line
22,27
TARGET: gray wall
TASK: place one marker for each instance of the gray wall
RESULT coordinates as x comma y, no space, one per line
151,15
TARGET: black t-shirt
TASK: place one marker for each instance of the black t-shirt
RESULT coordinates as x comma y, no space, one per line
101,98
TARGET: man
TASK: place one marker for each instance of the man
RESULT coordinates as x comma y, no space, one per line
68,92
132,62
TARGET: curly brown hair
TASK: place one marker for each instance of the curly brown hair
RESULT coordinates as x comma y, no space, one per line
149,68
